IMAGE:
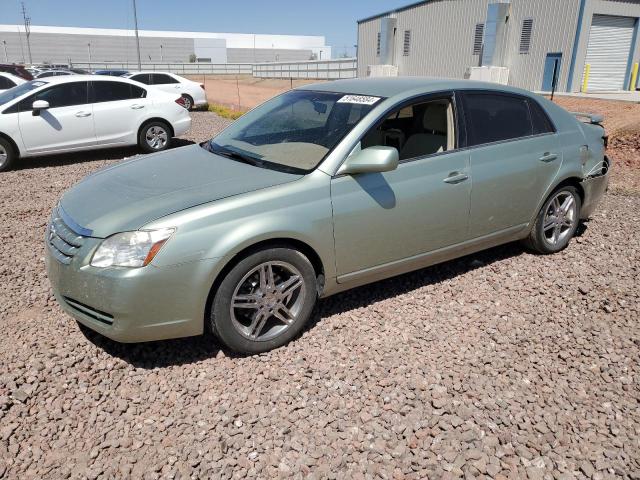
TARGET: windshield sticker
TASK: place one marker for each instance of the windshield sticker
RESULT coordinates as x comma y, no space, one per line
359,99
39,83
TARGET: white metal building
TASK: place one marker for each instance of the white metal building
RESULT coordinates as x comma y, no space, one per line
592,44
70,44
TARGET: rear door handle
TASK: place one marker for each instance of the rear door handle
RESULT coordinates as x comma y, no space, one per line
548,157
83,114
137,106
456,177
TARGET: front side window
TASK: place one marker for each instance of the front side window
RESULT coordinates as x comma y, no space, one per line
294,131
115,91
494,117
63,95
162,79
416,130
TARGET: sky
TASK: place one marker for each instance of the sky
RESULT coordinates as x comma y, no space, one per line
335,19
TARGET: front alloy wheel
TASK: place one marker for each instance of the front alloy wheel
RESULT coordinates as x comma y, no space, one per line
264,301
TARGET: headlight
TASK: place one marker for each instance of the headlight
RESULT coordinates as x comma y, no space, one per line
130,249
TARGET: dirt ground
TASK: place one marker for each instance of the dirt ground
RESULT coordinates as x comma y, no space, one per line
502,364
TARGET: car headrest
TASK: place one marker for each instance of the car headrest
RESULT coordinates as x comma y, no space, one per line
435,117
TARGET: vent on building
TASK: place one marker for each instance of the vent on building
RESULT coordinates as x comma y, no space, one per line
525,35
406,48
378,46
477,39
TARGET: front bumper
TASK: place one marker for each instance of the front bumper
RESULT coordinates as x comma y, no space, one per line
132,304
594,188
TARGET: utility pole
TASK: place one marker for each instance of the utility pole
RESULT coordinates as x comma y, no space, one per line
27,30
161,55
89,50
6,57
135,21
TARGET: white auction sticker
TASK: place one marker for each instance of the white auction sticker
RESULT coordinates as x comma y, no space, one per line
360,99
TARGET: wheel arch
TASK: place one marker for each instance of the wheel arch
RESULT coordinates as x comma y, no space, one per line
11,141
155,119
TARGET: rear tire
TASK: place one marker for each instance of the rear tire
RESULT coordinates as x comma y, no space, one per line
154,137
188,102
7,155
264,301
556,222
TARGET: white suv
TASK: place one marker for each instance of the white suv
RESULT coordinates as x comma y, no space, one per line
192,92
82,112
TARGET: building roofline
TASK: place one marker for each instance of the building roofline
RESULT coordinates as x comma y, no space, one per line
395,10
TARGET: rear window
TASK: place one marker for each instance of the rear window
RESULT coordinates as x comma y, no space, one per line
496,117
114,91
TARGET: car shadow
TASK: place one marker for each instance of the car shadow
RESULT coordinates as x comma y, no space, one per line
166,353
70,158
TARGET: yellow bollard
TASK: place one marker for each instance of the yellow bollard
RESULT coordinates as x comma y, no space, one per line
634,77
585,79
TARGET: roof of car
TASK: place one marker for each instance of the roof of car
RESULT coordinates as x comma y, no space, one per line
401,86
77,78
150,71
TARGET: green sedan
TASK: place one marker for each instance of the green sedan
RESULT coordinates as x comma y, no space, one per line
321,189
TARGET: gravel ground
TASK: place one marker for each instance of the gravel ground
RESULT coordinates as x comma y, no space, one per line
504,364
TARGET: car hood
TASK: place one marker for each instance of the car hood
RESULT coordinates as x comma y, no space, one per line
129,195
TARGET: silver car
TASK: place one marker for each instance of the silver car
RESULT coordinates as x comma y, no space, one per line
319,190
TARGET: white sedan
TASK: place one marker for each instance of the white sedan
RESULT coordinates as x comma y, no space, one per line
192,92
8,80
82,112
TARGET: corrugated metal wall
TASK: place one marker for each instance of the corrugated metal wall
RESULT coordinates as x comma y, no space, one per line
442,37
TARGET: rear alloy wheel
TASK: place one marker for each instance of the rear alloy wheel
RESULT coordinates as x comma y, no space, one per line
557,221
264,301
188,102
154,137
7,155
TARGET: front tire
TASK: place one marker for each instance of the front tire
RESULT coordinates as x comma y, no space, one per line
7,155
154,137
556,222
264,301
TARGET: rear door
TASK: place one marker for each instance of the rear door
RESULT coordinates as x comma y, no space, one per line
119,109
514,158
67,124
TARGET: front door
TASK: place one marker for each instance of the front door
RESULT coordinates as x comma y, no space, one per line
421,206
551,74
66,124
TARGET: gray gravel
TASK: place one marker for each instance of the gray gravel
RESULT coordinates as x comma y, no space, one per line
504,364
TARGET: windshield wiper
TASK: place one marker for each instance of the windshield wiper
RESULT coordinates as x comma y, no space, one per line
225,152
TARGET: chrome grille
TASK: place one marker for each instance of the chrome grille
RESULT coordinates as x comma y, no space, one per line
62,240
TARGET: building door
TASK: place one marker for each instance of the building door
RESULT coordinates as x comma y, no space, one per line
608,52
552,65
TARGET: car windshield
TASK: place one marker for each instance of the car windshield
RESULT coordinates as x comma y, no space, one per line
294,131
20,90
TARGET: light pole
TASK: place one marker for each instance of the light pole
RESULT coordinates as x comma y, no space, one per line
135,21
27,31
89,50
6,57
161,56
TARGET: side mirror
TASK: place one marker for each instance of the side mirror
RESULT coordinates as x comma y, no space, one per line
376,159
39,105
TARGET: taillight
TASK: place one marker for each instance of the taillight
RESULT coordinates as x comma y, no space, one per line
180,101
202,86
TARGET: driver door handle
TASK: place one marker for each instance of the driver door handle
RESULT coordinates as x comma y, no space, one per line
456,177
137,106
548,157
83,114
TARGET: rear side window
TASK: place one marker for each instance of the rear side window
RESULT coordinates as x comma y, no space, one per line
540,120
495,117
114,91
64,95
162,79
142,78
6,84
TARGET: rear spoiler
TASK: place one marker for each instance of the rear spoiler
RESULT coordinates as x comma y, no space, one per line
593,118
